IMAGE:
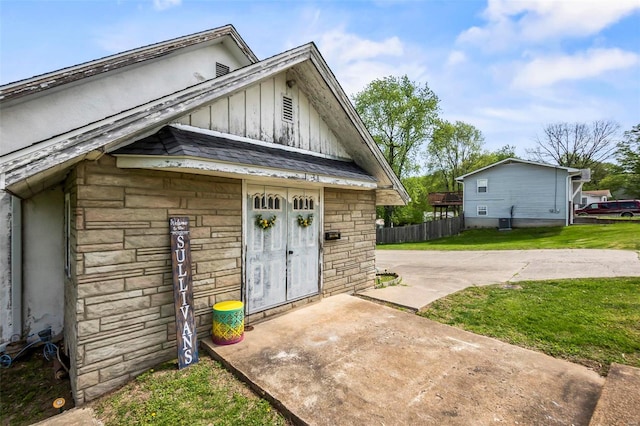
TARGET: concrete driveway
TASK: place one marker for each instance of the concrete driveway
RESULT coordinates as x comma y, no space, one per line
430,275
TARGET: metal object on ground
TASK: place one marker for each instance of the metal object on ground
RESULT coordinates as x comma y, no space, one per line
228,322
58,403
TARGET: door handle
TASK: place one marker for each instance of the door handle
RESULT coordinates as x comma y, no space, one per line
290,251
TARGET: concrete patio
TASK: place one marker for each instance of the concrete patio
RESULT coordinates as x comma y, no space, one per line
345,361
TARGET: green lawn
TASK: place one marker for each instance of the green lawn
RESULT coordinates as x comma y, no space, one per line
624,236
589,321
202,394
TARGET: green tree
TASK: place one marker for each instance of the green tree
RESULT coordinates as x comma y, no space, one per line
628,156
399,114
418,188
453,150
600,172
490,157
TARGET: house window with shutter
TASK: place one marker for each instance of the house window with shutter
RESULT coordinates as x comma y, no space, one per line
482,210
483,185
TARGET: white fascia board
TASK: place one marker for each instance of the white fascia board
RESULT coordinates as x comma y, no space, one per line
240,171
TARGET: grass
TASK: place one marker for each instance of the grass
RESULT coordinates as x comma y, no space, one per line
28,389
622,236
593,322
202,394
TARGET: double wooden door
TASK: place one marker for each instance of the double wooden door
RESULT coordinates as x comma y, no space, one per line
282,246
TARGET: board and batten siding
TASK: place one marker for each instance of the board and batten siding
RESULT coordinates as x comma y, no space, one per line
538,194
256,113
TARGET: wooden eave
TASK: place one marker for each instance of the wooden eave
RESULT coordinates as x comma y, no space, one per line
238,171
305,62
75,73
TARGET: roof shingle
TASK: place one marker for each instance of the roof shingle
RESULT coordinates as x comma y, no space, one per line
174,142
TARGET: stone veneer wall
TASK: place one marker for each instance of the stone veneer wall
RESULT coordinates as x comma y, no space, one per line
349,263
119,313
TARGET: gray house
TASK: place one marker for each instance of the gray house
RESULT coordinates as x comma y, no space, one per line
521,193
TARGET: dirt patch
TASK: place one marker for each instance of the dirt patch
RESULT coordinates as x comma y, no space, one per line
28,388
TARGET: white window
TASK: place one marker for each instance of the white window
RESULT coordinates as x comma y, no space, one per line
266,202
482,210
301,202
482,185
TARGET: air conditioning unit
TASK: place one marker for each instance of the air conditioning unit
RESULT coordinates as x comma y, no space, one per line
585,175
504,224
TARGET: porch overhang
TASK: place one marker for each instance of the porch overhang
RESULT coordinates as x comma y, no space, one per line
182,148
204,166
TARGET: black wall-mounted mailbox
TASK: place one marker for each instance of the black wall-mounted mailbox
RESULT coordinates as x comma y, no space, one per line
332,235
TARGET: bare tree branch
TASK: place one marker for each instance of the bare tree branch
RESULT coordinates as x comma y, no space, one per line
578,145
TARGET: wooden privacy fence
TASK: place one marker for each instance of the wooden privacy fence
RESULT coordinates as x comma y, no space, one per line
422,232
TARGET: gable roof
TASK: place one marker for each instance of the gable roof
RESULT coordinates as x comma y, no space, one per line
48,158
570,170
111,63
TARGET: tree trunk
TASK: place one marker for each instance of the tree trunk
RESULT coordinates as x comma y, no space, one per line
388,213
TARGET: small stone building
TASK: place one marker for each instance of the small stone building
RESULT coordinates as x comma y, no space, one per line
96,158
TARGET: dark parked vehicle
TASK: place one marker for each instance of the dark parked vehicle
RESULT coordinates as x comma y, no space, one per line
626,208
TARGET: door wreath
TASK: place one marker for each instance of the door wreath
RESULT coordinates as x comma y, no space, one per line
302,222
265,223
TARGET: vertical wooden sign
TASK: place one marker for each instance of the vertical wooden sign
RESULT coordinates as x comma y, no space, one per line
183,291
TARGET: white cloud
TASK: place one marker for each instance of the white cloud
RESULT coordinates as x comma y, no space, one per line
346,47
357,61
456,57
165,4
546,71
574,18
536,21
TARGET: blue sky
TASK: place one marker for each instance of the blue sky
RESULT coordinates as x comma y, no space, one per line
507,67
